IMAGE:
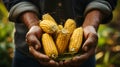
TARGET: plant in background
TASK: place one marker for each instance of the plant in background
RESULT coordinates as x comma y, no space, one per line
6,38
108,51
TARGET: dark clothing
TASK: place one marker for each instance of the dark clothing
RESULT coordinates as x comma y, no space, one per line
60,10
20,60
71,8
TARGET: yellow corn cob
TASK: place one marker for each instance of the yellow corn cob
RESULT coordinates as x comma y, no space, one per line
49,46
47,16
76,40
70,25
62,41
60,27
48,26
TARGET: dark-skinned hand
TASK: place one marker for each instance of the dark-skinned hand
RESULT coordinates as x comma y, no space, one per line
33,39
90,26
88,47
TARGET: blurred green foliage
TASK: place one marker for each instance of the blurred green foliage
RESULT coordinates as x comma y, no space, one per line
6,38
108,49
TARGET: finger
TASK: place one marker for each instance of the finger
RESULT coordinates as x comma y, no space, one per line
38,55
33,41
50,63
70,63
80,59
67,62
90,42
61,63
91,52
53,63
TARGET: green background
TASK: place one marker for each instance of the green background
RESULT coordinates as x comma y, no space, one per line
107,52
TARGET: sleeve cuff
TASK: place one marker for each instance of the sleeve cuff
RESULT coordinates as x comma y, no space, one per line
21,7
103,6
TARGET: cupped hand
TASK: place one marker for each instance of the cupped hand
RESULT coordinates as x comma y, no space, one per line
88,47
33,39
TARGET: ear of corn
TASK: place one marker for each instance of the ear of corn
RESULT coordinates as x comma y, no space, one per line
48,26
67,37
47,16
49,46
76,40
70,25
60,27
62,41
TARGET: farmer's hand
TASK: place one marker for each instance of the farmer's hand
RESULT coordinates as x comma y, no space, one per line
33,38
88,47
90,27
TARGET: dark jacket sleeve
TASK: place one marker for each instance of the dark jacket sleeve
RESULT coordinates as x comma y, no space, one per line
105,6
113,3
17,7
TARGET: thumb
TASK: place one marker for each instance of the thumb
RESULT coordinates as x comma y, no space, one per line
90,42
32,40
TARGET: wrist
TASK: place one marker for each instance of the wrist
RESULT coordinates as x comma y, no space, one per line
29,19
93,18
33,24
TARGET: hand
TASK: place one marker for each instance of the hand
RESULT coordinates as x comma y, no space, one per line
33,40
33,36
88,47
90,27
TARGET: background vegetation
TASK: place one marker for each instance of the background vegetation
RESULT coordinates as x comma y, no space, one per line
6,38
107,52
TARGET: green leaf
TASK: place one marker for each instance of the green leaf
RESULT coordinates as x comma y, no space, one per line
3,10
